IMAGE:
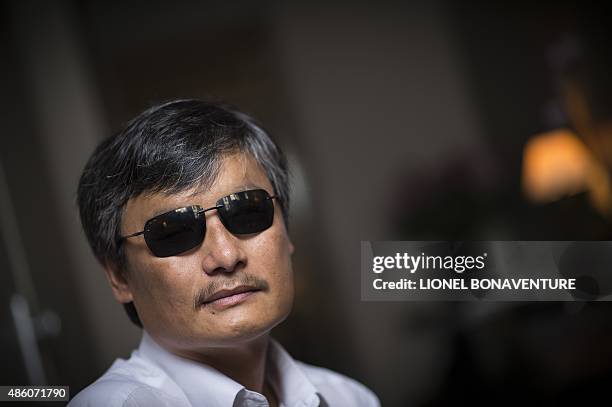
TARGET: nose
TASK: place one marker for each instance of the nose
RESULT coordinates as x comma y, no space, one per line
223,252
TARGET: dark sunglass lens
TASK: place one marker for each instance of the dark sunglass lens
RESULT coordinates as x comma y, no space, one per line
247,212
175,232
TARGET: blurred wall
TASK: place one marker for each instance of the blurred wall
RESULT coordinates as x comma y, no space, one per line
375,91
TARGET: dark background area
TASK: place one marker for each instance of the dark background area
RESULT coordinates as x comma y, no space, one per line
402,121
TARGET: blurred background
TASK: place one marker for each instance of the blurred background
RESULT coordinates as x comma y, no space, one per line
402,121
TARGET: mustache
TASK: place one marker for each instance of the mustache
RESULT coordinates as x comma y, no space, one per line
238,280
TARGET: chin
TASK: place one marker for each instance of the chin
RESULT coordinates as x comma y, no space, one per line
249,329
242,329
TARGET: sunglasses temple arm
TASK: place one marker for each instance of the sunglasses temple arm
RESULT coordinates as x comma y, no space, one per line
132,235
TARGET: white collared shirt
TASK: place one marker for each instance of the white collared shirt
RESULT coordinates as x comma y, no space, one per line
153,377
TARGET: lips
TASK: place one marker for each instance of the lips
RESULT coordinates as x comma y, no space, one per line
230,295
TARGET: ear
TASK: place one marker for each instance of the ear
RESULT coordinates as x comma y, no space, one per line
118,283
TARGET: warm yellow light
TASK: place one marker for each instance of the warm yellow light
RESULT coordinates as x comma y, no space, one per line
555,164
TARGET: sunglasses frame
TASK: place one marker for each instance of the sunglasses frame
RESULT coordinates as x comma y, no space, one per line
197,211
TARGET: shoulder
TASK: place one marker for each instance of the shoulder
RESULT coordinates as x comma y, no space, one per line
129,384
338,389
111,393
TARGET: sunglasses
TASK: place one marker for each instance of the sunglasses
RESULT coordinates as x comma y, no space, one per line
182,229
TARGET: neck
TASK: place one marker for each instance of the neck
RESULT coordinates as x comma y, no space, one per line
243,363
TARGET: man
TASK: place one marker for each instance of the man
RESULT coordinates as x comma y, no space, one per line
186,210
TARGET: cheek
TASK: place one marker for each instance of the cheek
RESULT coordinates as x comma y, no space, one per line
163,287
276,267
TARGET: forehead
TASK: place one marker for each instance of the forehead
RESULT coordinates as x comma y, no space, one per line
237,172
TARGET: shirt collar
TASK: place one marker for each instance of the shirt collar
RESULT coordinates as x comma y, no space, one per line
288,380
204,385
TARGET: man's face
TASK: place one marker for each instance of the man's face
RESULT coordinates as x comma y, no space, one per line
165,290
